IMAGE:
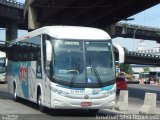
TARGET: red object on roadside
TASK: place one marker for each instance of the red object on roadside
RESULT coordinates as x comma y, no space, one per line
121,83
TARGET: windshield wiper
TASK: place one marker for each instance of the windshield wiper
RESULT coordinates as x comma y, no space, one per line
95,73
75,75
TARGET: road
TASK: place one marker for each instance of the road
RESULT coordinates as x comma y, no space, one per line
137,92
29,111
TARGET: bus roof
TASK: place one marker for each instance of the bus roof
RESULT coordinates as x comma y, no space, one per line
70,32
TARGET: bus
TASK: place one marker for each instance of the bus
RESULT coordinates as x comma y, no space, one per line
3,63
63,67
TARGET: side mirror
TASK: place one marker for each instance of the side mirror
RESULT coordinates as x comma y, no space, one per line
48,51
121,53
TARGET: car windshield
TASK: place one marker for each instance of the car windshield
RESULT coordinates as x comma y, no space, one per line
82,63
152,73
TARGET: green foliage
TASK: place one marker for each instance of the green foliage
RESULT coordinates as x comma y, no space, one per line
127,68
146,70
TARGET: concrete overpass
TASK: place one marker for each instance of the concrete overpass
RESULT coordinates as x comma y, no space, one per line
11,17
134,31
99,13
38,13
129,57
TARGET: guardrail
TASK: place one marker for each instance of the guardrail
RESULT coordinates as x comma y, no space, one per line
12,3
138,26
144,55
132,82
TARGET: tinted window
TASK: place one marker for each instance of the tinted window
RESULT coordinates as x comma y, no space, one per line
120,79
152,73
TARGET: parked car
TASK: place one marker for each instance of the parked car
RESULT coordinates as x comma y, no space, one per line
121,84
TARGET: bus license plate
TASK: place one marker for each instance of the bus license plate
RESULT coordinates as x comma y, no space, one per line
86,104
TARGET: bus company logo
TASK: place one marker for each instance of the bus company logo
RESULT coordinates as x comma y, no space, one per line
23,72
86,96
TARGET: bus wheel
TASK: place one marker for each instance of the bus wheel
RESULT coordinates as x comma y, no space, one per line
41,107
93,111
15,94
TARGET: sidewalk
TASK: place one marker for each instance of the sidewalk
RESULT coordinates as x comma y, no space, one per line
132,109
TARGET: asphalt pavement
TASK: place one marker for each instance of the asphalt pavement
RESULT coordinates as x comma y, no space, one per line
29,111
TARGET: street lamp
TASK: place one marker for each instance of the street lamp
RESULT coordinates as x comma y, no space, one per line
128,19
134,35
124,30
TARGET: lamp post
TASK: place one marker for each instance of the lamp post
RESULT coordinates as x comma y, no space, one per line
128,19
124,30
134,35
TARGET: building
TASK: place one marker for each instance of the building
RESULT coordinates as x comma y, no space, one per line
142,48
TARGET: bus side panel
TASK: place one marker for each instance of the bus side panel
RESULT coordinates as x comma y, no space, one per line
9,77
32,81
18,73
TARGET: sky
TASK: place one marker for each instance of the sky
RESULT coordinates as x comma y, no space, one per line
149,17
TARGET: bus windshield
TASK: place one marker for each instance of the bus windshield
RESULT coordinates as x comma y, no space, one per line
83,63
2,65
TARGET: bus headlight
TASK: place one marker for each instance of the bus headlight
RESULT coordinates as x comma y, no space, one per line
109,93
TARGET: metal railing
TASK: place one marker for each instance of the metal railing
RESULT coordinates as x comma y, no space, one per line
12,3
138,26
144,55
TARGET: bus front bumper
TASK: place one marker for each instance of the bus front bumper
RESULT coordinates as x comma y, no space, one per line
61,102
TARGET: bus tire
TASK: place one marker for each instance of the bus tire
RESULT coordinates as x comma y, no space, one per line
39,101
93,111
15,93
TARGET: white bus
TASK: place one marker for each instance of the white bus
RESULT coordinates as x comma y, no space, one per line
63,67
3,63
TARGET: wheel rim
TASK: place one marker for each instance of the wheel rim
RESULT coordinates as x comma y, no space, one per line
15,95
39,101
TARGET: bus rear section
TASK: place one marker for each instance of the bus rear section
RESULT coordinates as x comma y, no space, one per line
3,67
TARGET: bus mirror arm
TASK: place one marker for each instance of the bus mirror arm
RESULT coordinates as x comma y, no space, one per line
48,51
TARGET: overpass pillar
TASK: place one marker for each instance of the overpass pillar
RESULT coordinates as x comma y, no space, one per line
32,18
11,31
111,30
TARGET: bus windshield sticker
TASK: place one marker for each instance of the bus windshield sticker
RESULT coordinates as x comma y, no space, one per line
38,71
71,43
89,80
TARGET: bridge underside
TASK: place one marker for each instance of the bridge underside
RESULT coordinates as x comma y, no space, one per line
138,58
143,60
94,13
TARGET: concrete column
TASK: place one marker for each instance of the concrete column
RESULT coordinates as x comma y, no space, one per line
32,18
122,104
11,31
111,30
149,106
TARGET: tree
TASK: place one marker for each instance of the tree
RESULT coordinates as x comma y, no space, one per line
127,68
146,70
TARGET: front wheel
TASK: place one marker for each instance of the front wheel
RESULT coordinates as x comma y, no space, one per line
41,107
15,94
93,111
